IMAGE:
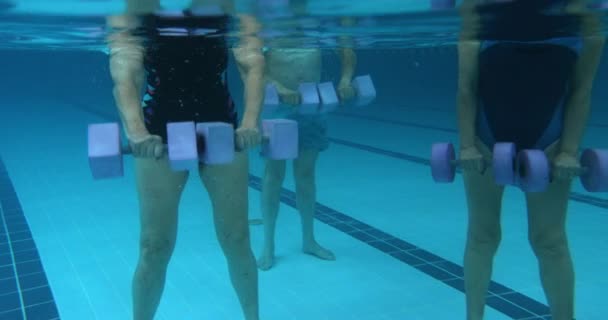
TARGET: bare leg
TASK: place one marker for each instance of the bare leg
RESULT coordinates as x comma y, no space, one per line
547,233
228,189
159,194
271,198
484,200
304,173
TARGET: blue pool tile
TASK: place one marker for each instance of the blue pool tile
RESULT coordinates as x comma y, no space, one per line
23,245
361,236
435,272
29,267
360,225
13,219
9,201
14,212
8,286
327,219
407,258
21,235
32,280
25,256
42,311
344,227
5,258
401,244
16,314
383,246
9,302
379,234
18,227
7,272
508,308
457,283
451,268
425,255
37,295
498,289
527,303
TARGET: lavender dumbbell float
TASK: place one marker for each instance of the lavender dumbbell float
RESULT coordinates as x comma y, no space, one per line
322,97
529,169
106,151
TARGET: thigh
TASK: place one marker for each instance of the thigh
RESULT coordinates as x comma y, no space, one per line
484,199
159,190
547,210
227,185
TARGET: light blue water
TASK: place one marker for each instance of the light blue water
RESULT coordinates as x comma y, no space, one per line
69,244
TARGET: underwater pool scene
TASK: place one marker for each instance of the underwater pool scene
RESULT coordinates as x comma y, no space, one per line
303,159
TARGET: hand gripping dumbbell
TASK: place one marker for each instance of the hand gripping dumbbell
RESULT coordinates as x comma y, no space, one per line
322,97
530,169
105,150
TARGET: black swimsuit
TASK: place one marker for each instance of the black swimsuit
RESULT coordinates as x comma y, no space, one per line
526,63
186,59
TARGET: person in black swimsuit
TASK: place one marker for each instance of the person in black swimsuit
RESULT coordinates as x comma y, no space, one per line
181,61
527,81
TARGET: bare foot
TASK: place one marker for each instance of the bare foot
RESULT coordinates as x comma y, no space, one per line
316,250
266,261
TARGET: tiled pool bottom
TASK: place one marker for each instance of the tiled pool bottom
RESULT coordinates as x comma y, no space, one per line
24,288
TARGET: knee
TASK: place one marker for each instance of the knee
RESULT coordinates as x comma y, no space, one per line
156,251
275,171
484,240
549,244
305,178
235,239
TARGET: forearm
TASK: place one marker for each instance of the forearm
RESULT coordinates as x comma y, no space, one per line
127,98
126,70
253,95
348,60
578,104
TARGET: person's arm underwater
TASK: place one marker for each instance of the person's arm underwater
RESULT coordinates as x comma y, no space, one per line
251,64
468,67
578,104
127,72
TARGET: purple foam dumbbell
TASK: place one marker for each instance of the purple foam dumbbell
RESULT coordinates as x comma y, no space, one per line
217,139
309,98
104,150
503,163
365,89
280,139
443,158
443,4
533,170
595,170
328,97
182,145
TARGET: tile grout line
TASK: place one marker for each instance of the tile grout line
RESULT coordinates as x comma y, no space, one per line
323,211
12,255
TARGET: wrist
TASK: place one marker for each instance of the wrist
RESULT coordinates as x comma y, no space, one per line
249,121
